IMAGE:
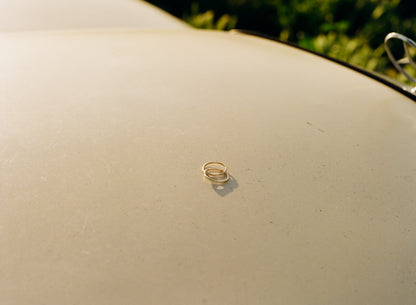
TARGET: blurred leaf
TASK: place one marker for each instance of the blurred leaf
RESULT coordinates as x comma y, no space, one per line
378,11
207,19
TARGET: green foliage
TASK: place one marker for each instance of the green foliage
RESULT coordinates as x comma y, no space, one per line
350,30
207,20
355,51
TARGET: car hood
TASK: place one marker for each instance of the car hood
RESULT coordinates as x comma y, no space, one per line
102,139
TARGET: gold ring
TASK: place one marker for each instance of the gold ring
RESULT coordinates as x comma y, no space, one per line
223,168
217,180
216,171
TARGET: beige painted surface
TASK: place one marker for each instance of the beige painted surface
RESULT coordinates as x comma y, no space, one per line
29,15
102,200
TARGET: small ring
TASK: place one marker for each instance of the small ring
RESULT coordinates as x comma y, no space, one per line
207,175
224,170
213,171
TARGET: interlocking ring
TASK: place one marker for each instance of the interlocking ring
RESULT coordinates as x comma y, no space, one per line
216,171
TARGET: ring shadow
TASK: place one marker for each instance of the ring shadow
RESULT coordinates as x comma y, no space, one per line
225,188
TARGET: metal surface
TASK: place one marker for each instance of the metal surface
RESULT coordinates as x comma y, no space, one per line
407,60
102,201
32,15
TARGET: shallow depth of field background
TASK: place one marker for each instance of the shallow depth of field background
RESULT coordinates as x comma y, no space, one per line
349,30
